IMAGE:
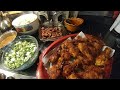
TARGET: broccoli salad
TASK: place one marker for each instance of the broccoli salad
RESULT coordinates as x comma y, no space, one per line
20,53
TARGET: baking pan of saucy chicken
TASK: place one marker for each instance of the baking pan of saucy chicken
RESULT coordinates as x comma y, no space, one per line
78,56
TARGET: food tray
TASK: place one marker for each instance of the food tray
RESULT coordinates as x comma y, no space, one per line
41,71
50,36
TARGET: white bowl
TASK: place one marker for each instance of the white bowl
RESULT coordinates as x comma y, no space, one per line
26,24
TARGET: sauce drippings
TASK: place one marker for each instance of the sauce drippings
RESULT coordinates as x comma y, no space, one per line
7,40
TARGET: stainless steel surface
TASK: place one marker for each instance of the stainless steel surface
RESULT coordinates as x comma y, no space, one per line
16,75
43,13
116,22
57,14
5,24
74,13
54,15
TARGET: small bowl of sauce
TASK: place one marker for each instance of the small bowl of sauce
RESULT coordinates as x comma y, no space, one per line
7,37
73,24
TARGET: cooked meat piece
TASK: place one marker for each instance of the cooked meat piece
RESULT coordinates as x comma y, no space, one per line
92,50
65,54
97,43
85,51
97,69
90,75
80,58
51,32
54,72
60,62
72,76
64,44
92,39
83,59
102,59
59,50
91,72
107,52
79,39
74,51
67,70
54,57
86,61
82,47
77,62
97,46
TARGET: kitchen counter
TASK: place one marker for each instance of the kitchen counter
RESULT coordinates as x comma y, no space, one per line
93,25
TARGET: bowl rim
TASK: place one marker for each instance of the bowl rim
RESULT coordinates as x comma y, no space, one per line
32,59
73,24
28,32
14,21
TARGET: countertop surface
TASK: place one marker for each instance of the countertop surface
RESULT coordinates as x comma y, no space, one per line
94,26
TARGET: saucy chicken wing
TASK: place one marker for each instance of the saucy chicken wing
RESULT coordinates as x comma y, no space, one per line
67,70
92,72
73,76
54,57
84,50
54,72
90,75
80,58
102,59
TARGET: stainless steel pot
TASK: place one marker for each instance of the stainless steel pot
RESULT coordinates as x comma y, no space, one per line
5,24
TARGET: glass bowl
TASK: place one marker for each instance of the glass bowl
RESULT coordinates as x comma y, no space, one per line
26,64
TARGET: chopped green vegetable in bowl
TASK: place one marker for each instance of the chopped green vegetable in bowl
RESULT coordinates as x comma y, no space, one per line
21,54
